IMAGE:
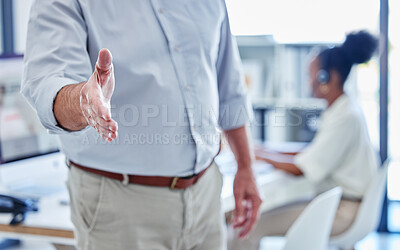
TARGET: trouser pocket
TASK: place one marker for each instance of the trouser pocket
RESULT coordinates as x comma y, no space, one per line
86,195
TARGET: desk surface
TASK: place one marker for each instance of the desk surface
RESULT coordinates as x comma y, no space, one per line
52,222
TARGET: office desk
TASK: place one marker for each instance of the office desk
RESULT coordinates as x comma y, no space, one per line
29,177
52,222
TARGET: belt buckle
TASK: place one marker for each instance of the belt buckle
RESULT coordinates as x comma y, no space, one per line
173,182
125,179
67,162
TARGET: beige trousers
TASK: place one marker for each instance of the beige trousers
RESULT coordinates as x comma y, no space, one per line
109,215
278,221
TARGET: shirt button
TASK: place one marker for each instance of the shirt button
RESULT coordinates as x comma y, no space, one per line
160,10
176,48
187,87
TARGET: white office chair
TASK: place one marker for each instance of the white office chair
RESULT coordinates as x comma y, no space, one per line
312,228
368,214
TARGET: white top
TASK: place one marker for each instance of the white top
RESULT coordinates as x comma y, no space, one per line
341,153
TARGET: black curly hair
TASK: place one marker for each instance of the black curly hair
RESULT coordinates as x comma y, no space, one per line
357,48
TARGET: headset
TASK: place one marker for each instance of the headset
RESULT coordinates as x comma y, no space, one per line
323,75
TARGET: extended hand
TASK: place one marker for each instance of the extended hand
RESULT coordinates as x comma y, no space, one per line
247,201
95,97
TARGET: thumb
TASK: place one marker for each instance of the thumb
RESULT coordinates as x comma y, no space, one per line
104,61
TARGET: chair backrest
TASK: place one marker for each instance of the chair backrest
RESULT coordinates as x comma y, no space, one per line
369,212
312,228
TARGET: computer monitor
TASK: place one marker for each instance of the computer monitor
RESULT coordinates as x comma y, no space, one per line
21,133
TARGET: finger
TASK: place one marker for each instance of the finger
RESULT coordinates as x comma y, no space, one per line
251,222
111,125
98,112
246,216
104,61
245,225
108,131
106,128
239,209
106,134
253,214
104,67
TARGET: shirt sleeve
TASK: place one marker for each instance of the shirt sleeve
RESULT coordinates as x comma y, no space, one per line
326,150
234,106
56,56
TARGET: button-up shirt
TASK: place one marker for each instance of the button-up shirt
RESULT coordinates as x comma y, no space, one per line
177,74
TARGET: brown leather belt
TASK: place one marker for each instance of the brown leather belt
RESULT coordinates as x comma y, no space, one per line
158,181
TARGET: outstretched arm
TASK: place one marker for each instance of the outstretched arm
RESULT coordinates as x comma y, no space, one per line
279,161
88,103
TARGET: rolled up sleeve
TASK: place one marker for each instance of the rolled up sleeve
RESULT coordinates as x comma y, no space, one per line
234,105
56,56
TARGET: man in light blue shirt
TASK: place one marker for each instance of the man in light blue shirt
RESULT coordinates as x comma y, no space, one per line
150,114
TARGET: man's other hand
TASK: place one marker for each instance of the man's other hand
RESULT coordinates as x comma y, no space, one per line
247,201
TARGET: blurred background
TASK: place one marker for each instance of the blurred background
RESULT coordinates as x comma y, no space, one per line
276,40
